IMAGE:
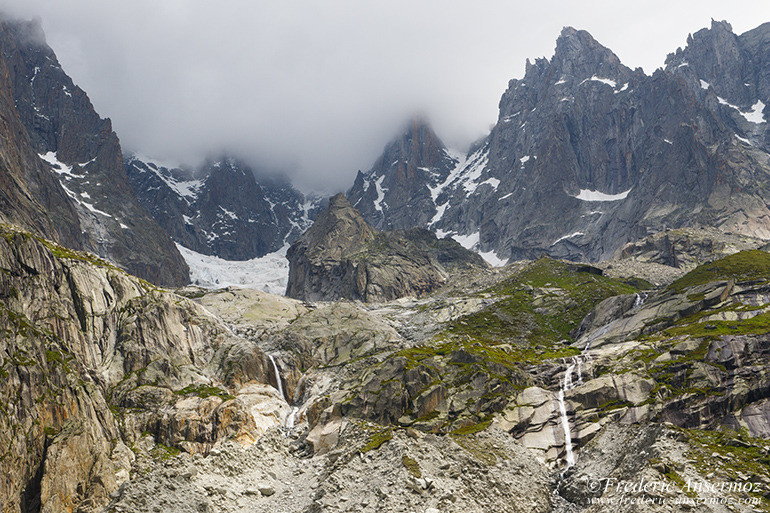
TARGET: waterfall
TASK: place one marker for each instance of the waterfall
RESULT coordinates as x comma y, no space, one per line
565,425
568,376
290,418
288,422
579,370
639,299
565,385
277,377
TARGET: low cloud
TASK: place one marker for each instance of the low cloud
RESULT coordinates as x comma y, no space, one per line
315,89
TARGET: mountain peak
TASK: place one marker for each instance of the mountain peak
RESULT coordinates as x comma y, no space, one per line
579,54
339,202
721,26
417,126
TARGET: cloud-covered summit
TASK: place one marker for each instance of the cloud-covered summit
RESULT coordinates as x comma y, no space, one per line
315,89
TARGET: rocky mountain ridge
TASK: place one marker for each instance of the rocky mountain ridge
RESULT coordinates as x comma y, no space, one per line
588,155
82,154
341,256
221,208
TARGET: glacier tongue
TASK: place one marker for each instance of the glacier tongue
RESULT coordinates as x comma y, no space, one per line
269,273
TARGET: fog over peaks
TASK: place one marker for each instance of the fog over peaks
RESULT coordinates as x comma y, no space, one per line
316,89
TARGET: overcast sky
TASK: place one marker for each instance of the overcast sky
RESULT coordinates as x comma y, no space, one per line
317,87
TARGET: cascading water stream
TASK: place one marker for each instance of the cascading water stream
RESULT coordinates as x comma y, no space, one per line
291,417
564,386
277,377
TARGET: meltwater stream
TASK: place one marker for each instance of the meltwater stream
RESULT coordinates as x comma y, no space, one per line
290,419
568,384
563,386
277,377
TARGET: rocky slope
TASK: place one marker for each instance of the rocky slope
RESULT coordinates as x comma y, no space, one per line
81,168
341,256
122,396
93,360
220,208
588,155
398,192
427,404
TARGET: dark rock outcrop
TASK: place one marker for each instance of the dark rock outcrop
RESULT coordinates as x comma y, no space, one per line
30,196
221,208
588,155
80,147
397,192
342,256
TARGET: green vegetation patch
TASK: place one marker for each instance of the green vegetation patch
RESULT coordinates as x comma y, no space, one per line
744,266
539,305
674,477
546,300
377,439
736,455
411,466
204,391
473,428
757,325
163,452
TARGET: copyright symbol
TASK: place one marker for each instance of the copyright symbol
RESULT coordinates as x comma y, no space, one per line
594,486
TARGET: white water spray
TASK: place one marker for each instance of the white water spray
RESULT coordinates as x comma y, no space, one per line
277,377
565,385
570,456
291,417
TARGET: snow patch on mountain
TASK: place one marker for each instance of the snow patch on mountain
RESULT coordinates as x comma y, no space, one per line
494,182
571,235
492,258
471,242
380,193
187,189
269,273
605,81
589,195
755,115
64,172
460,159
57,166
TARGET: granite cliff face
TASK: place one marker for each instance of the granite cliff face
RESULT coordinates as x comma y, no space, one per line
398,191
93,360
220,208
83,159
30,195
342,256
588,154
